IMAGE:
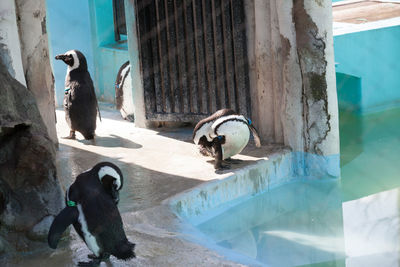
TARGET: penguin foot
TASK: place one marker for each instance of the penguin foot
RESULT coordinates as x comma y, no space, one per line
233,161
102,257
221,167
70,136
89,137
92,263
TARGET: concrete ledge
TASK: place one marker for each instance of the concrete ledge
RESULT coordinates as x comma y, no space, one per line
209,199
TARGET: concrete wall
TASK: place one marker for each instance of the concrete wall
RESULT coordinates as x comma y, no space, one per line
373,57
292,78
87,26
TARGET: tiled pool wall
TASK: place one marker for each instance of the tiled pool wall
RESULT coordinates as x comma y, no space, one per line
210,199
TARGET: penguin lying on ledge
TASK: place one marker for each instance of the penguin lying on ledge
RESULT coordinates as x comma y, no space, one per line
223,135
92,209
80,103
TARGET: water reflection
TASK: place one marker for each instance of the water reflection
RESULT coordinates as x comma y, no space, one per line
369,153
372,229
296,224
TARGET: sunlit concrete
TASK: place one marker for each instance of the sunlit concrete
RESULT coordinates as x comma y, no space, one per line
156,164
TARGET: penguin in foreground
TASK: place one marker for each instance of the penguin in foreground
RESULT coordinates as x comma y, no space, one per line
223,135
91,207
123,92
80,103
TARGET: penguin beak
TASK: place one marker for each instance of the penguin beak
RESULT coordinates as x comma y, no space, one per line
115,195
68,59
62,57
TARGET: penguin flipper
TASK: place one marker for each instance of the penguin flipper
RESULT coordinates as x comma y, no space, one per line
66,217
255,134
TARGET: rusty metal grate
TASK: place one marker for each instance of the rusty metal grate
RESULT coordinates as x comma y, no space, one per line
194,57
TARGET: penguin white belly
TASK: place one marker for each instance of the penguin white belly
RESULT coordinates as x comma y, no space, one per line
127,109
237,136
90,240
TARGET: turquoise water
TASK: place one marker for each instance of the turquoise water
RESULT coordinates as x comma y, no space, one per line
352,221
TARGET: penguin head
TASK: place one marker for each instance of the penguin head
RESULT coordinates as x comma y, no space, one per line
74,59
111,178
202,130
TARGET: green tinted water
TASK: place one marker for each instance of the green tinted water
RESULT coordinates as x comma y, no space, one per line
370,153
354,221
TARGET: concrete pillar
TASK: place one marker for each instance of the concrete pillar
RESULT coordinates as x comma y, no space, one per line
136,72
10,49
292,79
31,21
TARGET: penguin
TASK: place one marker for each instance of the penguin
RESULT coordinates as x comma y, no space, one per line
91,208
123,92
223,135
80,103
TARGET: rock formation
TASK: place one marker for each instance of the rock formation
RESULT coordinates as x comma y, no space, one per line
30,193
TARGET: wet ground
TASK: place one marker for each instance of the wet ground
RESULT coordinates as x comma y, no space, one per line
156,165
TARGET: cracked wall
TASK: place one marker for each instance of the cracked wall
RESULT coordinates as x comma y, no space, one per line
292,76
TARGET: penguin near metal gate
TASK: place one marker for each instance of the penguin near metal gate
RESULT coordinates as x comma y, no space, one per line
91,207
80,103
123,92
223,135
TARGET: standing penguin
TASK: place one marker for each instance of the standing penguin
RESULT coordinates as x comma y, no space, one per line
91,209
223,135
123,92
80,103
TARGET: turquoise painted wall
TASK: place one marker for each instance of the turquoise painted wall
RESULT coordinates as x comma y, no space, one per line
68,26
86,25
109,55
373,56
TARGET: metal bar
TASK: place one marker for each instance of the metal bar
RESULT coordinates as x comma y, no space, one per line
210,102
188,63
178,89
235,87
170,97
227,41
146,59
242,79
161,61
218,77
199,89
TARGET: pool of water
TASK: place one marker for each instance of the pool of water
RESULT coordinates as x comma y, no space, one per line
352,221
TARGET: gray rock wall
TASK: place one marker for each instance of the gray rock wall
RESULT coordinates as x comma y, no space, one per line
30,193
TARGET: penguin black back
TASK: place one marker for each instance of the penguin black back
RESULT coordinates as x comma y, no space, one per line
92,210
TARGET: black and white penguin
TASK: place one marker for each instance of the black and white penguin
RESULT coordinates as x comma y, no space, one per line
91,208
223,135
123,92
80,103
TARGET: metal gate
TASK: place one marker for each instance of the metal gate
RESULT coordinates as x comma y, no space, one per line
194,58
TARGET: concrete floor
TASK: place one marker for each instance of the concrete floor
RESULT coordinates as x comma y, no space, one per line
156,165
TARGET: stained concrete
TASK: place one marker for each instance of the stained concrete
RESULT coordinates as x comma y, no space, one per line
156,164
